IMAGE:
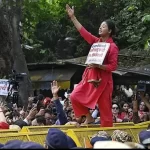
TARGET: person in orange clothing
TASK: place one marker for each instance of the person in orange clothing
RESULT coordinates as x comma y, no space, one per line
85,95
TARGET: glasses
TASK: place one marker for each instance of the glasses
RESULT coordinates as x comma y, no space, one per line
115,108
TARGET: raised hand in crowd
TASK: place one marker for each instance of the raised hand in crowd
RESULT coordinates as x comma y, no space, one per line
55,88
145,100
41,112
30,100
3,106
32,113
22,113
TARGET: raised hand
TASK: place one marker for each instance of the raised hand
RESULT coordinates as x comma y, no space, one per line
70,10
55,88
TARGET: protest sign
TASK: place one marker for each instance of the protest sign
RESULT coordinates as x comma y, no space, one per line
4,84
97,53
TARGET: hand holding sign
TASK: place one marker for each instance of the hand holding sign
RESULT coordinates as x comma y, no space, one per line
97,53
93,66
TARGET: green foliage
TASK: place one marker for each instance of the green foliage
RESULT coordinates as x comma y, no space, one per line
132,23
46,25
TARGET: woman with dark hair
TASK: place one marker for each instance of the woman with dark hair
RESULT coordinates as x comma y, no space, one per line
116,113
124,111
85,95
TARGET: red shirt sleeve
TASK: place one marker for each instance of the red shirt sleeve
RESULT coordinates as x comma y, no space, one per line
112,58
4,125
88,36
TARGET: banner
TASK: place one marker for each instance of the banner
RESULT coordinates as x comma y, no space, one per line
4,84
97,53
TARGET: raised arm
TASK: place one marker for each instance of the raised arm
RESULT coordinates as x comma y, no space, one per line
59,108
70,12
84,33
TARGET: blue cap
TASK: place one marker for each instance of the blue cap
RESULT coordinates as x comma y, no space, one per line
1,145
70,142
13,144
31,145
58,139
144,137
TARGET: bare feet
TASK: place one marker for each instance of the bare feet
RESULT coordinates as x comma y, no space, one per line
89,120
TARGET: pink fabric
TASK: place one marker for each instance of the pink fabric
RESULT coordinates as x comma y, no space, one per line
85,95
4,125
124,115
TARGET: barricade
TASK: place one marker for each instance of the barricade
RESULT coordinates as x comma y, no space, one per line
79,135
8,131
66,127
38,133
13,136
143,123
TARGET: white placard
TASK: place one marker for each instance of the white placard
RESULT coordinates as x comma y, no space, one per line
4,84
97,53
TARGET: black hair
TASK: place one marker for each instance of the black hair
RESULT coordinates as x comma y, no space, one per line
48,111
40,97
41,119
20,123
111,26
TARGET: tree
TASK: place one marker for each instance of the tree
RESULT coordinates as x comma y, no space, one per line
13,15
6,59
50,25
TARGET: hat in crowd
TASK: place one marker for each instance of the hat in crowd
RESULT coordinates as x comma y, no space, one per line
58,139
4,125
121,136
96,139
144,137
1,145
110,144
20,123
70,142
12,144
31,145
46,101
102,134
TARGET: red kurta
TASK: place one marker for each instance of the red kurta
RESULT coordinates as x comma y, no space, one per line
85,95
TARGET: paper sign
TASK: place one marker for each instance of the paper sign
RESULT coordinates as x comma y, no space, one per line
97,53
4,84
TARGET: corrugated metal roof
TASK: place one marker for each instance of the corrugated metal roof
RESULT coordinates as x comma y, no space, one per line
51,74
119,72
47,85
144,70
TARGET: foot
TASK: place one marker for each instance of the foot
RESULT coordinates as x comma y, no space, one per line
88,121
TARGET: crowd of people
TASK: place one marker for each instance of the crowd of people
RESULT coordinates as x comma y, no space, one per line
126,107
43,111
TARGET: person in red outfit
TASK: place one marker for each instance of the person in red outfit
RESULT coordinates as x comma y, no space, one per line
85,95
